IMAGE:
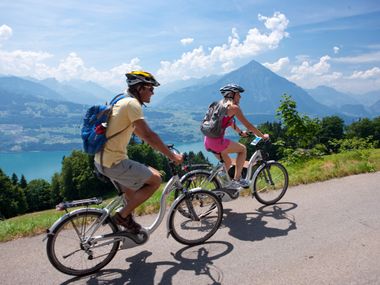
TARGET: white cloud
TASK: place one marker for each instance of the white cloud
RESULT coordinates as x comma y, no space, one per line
307,68
336,50
27,63
310,74
74,67
367,74
5,32
20,62
278,65
198,62
187,41
363,58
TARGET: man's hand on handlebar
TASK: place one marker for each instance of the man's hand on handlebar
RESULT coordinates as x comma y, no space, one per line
177,158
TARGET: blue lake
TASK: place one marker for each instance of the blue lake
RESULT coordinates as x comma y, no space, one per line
44,164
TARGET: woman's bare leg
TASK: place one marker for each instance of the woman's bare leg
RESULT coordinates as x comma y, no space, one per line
241,151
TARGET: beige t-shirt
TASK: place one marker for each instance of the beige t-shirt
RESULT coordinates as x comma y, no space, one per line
124,113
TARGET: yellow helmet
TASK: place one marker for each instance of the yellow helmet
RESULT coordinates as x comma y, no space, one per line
139,76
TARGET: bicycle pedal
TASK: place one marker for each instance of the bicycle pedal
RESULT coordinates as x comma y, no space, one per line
226,195
132,239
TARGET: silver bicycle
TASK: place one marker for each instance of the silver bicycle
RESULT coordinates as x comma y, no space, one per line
268,179
85,240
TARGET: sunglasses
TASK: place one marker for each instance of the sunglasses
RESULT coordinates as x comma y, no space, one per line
150,88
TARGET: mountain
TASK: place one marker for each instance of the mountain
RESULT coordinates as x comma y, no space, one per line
375,108
355,110
22,88
331,97
78,91
33,119
263,91
368,98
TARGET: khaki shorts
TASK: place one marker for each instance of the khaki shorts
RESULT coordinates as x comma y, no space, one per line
129,173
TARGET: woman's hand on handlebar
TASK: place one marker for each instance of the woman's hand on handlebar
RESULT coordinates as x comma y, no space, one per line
265,137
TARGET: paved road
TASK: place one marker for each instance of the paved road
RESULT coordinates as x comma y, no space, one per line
322,233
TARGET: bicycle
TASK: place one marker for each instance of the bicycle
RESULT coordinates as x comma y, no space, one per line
268,179
85,240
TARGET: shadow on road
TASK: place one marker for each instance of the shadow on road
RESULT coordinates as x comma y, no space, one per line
197,259
266,222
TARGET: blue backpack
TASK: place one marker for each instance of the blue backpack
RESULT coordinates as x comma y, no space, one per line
94,127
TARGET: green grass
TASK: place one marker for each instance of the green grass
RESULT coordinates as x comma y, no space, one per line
321,169
333,166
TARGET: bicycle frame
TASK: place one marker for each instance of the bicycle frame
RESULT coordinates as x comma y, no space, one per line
173,184
256,156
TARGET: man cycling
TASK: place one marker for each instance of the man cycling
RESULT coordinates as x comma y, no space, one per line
223,146
137,181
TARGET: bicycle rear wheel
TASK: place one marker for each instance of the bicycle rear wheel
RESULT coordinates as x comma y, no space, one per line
69,251
270,183
196,217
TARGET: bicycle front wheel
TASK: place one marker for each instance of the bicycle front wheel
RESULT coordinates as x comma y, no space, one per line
270,183
72,251
196,217
198,178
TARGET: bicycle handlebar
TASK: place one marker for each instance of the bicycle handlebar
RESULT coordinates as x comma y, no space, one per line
257,140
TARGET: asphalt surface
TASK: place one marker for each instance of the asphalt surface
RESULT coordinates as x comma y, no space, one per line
322,233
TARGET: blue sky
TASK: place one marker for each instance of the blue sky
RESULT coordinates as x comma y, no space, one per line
333,43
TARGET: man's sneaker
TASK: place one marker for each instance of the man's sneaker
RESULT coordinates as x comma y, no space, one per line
128,223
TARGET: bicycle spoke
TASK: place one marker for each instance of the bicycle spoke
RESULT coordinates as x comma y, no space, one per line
208,210
68,251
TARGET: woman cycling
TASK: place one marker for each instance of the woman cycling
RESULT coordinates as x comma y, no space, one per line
223,146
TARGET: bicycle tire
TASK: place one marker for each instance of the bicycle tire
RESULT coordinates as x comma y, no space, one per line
206,206
198,178
270,183
66,252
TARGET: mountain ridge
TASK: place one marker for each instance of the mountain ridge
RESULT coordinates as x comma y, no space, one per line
264,90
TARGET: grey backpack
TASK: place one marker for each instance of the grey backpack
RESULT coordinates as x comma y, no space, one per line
212,122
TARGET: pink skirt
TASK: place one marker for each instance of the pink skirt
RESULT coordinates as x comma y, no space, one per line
216,144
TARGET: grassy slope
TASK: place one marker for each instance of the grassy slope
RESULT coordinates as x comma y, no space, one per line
327,167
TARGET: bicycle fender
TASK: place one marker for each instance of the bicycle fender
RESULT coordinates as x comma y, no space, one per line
174,204
184,177
51,230
258,170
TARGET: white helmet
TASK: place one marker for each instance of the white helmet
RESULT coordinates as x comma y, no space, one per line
226,90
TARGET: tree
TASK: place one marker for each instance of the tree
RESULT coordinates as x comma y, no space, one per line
376,130
38,195
23,182
300,131
14,179
78,179
12,198
331,128
56,188
363,128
